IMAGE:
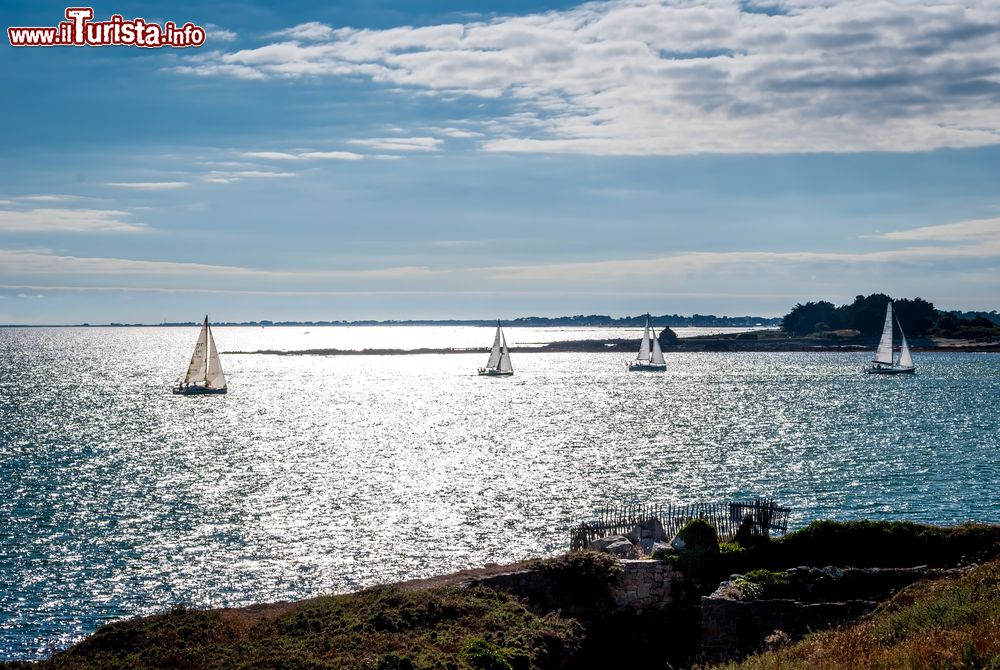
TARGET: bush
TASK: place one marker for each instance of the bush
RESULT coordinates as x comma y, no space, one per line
761,584
699,558
483,655
580,577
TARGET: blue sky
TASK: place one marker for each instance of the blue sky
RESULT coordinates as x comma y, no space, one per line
468,159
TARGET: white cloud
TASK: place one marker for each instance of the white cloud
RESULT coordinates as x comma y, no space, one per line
149,185
231,177
50,220
303,155
218,33
983,230
401,143
685,76
313,30
48,197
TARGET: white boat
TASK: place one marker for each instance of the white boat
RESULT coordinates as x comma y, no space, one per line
883,363
650,356
204,374
499,363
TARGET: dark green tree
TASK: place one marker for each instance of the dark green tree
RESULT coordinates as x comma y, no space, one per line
866,314
667,336
917,316
804,319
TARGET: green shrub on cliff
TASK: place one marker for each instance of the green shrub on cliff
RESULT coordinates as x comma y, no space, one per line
379,629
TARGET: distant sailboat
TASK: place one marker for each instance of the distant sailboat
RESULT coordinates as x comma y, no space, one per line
204,374
883,363
499,363
650,357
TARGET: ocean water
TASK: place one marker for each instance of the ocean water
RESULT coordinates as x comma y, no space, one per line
325,474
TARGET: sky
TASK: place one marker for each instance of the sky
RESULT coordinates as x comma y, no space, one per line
463,159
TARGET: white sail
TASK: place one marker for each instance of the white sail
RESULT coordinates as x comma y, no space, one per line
495,352
505,365
197,369
657,357
644,347
214,376
905,360
884,352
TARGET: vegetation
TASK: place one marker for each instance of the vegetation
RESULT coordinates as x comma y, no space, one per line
667,337
699,558
866,315
867,544
761,584
580,578
379,629
943,624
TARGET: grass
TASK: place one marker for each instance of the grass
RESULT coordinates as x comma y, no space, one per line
952,623
379,629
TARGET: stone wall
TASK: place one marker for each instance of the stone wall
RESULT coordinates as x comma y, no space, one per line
647,585
733,628
641,586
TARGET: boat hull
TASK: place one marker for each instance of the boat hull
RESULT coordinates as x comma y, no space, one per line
495,373
646,367
890,371
197,390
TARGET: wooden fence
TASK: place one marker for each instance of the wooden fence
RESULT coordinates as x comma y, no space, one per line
768,519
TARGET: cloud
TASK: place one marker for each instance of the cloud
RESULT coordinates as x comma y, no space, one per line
313,30
401,143
48,197
303,155
149,185
983,230
654,77
218,33
67,221
231,177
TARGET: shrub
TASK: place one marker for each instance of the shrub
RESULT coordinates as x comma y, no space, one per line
581,577
700,556
483,655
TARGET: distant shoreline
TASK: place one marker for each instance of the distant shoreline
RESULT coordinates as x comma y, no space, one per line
705,343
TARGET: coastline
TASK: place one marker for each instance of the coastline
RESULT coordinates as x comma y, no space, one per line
761,341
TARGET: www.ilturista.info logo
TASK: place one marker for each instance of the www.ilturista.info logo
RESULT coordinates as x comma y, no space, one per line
79,30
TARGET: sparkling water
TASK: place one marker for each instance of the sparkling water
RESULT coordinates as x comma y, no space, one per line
325,474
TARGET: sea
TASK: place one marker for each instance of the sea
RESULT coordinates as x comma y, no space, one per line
325,474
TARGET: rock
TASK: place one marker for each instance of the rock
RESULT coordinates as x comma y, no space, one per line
602,543
622,549
677,543
662,547
653,529
635,534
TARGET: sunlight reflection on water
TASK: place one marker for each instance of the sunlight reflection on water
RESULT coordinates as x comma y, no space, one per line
321,474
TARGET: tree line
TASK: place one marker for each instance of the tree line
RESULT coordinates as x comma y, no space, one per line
866,314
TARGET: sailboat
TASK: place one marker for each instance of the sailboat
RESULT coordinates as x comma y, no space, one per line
650,356
499,363
883,363
204,374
